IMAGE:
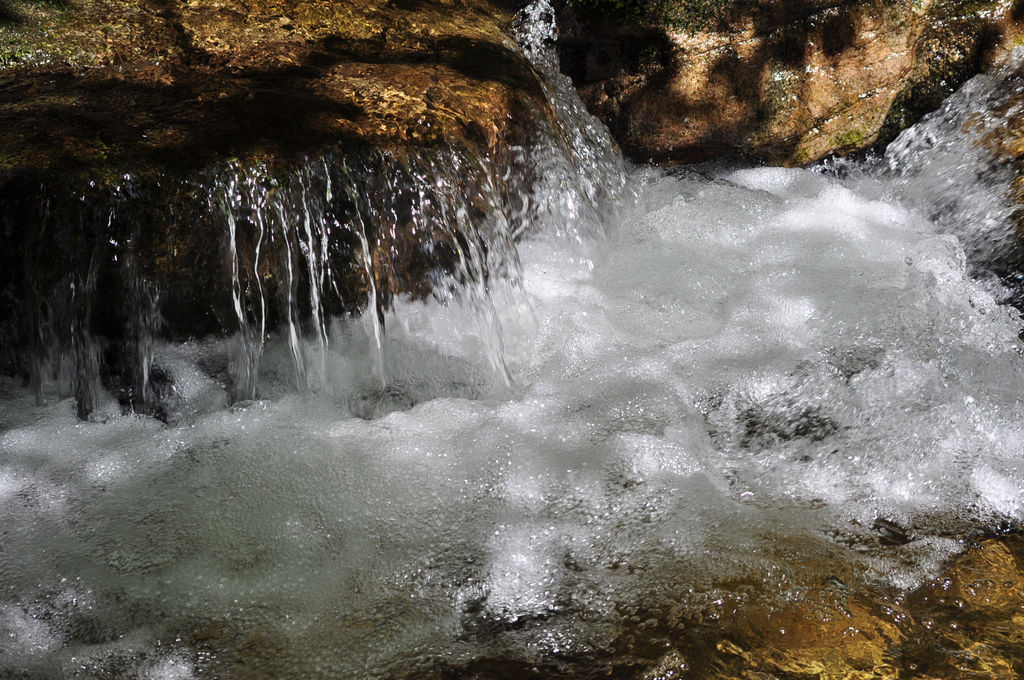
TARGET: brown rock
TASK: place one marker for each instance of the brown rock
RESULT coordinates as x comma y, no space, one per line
966,622
783,82
969,622
122,82
1004,140
132,132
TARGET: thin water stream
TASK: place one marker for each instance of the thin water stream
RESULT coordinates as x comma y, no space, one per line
712,388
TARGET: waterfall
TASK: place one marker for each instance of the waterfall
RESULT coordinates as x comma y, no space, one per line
308,242
431,223
532,412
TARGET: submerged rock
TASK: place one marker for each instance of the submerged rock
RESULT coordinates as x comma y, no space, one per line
786,82
965,622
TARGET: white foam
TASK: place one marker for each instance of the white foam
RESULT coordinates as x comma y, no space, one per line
767,358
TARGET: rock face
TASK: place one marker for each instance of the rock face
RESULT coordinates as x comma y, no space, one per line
180,168
114,82
1002,136
782,82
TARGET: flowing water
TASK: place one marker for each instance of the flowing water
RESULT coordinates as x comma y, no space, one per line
722,385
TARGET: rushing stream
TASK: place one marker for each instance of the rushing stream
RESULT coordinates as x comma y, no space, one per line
720,387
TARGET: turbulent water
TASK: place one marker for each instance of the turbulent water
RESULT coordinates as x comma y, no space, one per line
726,385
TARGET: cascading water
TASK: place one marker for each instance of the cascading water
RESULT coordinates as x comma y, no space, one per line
960,182
602,427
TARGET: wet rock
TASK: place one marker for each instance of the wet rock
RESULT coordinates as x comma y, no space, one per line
161,162
1001,127
763,427
786,82
889,532
966,622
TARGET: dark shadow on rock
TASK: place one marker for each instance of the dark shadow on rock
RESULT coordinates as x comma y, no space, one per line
612,52
646,115
482,60
838,33
783,31
122,123
9,15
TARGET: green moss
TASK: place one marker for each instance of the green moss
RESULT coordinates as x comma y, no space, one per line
954,8
45,37
650,54
10,159
65,33
850,138
801,156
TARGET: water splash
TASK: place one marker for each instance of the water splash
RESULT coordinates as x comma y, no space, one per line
956,168
439,224
144,322
572,197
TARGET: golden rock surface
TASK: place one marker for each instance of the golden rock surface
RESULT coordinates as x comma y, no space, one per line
784,82
968,622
